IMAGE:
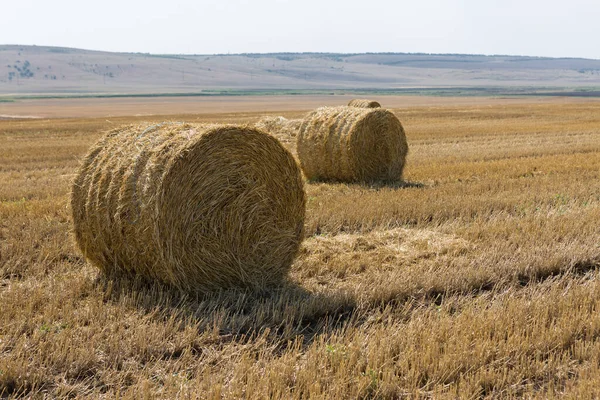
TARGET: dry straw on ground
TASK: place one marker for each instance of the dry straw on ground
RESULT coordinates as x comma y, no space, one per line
352,144
364,103
196,206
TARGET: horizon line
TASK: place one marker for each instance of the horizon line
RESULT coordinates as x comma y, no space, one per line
304,53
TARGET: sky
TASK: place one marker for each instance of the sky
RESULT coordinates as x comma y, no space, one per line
550,28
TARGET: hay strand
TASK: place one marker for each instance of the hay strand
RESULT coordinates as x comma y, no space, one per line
364,103
196,206
352,145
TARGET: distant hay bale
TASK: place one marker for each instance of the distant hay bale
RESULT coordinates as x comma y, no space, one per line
364,103
285,130
196,206
273,124
352,144
279,125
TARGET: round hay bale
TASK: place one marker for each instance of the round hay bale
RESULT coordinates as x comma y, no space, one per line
351,145
364,103
279,125
285,130
196,206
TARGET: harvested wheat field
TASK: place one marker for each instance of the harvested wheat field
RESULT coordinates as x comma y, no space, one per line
476,277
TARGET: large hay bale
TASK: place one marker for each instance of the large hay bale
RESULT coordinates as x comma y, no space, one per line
364,103
196,206
352,144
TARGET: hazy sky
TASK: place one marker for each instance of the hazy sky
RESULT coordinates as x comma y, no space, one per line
517,27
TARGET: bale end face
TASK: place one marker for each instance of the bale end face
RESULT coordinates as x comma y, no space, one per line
351,144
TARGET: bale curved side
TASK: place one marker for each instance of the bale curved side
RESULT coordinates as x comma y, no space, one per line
351,145
364,103
196,206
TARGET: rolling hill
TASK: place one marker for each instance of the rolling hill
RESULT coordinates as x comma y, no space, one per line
26,70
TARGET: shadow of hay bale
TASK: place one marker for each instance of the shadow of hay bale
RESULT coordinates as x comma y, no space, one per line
285,312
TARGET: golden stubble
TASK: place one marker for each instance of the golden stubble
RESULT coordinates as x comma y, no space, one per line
477,276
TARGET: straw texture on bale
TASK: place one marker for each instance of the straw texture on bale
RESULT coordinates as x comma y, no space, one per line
351,144
282,128
196,206
364,103
279,125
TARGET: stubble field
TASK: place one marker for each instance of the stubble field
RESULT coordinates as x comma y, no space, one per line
478,277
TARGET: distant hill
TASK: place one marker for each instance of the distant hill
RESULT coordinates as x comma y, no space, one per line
57,70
